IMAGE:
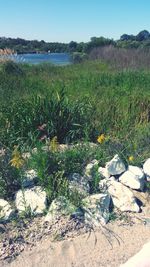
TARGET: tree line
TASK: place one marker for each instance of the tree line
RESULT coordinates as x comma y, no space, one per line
141,40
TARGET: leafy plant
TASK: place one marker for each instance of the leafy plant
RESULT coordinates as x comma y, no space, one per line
9,176
94,184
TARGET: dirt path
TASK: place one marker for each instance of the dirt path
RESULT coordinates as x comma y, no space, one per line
85,250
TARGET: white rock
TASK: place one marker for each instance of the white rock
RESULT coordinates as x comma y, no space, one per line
26,155
89,168
29,177
134,178
79,183
115,166
141,259
33,198
96,209
59,207
104,184
103,172
6,212
122,197
146,168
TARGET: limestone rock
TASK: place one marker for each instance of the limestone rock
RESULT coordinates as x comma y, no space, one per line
103,172
26,155
122,197
89,168
29,178
33,198
96,209
79,183
6,212
104,184
144,197
59,207
115,166
146,168
134,178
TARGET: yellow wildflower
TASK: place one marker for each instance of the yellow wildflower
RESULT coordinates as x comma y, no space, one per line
101,138
54,144
131,158
17,160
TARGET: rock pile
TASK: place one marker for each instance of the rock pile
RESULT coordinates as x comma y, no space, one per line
120,185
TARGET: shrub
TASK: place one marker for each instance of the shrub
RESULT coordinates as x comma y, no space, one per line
12,68
78,57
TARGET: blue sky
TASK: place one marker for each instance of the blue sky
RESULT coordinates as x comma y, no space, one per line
78,20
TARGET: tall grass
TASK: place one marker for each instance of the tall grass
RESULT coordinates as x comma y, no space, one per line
122,58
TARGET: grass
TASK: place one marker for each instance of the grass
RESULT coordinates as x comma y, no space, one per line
76,102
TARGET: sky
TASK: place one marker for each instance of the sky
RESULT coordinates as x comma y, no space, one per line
67,20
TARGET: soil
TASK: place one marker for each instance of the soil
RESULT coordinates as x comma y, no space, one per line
68,243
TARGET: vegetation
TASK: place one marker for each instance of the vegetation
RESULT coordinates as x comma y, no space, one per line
141,40
122,58
45,104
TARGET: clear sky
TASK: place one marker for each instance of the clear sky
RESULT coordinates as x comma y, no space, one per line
78,20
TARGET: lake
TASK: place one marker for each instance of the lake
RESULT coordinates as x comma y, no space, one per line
54,58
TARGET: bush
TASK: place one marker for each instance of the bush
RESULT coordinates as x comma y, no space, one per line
78,57
12,68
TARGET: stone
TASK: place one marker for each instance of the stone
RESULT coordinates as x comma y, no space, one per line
29,178
6,212
134,178
103,172
79,183
60,206
63,147
96,209
33,199
115,166
146,169
89,168
143,197
26,155
122,197
104,183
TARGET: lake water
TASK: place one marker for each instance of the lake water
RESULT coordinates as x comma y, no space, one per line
54,58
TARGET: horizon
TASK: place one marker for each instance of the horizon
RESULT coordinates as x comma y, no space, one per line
39,40
73,21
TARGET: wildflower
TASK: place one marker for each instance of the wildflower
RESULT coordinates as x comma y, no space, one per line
54,144
17,160
101,138
131,158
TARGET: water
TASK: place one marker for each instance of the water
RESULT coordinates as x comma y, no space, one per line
54,58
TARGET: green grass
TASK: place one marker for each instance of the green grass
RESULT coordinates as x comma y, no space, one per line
76,102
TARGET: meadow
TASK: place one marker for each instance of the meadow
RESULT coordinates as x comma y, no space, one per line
74,103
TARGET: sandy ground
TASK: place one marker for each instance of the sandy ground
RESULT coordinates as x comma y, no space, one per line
86,250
